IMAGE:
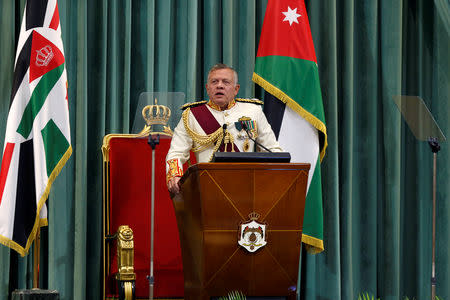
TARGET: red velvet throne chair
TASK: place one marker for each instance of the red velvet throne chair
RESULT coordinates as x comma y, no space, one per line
127,169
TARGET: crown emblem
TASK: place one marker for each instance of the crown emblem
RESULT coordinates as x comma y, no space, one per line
253,216
44,56
156,114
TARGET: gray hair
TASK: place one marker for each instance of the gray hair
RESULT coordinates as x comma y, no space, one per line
221,66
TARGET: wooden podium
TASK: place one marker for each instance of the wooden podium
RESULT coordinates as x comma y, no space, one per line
216,199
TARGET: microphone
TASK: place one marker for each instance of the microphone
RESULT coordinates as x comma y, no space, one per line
245,127
224,127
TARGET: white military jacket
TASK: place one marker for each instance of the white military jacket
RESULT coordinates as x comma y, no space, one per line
189,134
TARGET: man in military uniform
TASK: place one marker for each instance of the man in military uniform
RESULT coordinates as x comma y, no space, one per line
223,123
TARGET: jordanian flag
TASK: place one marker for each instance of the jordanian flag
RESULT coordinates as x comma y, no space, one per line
37,140
286,67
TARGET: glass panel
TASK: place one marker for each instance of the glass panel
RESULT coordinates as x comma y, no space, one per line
418,118
171,100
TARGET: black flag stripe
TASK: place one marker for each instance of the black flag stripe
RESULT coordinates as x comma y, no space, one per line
35,13
26,209
274,111
22,65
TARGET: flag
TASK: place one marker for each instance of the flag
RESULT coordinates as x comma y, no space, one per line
37,139
286,67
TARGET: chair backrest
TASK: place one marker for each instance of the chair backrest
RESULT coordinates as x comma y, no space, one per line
127,171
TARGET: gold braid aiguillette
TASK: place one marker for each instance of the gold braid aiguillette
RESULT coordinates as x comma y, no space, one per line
203,141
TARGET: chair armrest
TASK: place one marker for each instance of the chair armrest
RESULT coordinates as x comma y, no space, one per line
125,254
125,262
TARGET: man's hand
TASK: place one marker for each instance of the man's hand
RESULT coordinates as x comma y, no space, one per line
173,185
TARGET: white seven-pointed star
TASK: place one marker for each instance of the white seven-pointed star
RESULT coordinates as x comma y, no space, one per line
291,16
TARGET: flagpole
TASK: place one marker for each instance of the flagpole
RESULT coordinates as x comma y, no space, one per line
435,147
151,279
433,255
36,258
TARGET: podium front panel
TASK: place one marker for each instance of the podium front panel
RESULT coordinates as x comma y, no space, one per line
216,199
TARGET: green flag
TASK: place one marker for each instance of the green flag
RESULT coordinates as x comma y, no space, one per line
286,67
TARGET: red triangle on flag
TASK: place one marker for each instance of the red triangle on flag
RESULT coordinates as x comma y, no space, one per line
44,56
286,31
54,23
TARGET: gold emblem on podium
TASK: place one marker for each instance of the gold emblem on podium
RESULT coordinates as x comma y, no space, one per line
252,234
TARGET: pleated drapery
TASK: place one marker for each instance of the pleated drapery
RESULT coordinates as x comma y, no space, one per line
377,187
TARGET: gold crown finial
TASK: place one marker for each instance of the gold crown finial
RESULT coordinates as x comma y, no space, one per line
156,114
254,216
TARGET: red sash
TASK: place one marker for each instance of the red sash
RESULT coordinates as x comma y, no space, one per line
208,123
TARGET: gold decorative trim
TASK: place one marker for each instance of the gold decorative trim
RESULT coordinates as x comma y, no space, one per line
108,137
217,107
128,291
148,130
205,141
254,101
313,120
192,104
37,221
125,254
312,245
174,169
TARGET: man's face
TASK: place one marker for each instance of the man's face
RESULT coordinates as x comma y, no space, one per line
222,87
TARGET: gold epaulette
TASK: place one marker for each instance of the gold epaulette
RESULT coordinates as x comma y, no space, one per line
254,101
192,104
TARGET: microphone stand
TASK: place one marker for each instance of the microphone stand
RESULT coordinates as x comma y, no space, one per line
151,279
248,134
435,147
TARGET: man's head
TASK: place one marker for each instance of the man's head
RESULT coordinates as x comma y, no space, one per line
222,85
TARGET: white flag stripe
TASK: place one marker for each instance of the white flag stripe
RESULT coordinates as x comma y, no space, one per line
8,204
52,35
16,111
49,13
55,107
304,148
43,213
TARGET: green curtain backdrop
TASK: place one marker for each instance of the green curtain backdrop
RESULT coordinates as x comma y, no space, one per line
376,176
